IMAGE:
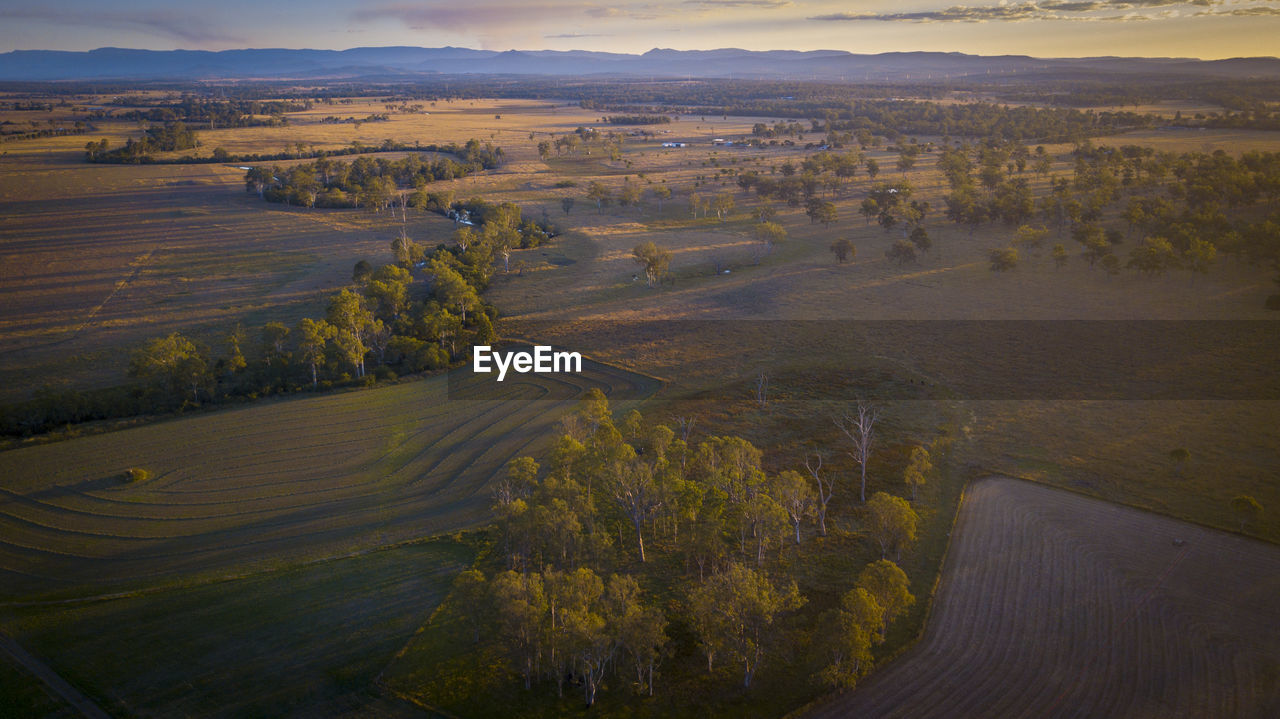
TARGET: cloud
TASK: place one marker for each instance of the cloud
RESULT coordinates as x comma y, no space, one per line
574,35
768,4
1023,11
1253,11
162,23
632,12
478,16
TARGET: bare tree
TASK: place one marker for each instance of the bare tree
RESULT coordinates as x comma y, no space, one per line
762,389
826,488
860,429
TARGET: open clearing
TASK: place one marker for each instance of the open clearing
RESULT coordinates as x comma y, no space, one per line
273,483
1053,604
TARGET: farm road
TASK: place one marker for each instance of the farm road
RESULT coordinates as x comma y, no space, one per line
55,683
1053,604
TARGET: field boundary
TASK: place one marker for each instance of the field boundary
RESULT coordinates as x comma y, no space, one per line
924,624
1130,505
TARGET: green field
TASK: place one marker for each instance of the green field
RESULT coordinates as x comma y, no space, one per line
303,641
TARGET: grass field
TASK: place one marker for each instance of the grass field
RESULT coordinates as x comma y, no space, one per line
262,486
1053,604
304,641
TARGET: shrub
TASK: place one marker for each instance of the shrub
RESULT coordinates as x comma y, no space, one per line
136,474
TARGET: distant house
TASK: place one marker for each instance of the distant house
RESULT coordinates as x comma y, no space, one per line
675,144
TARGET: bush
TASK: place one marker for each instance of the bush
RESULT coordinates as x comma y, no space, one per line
136,474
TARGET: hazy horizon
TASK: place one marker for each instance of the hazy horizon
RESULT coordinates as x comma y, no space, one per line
643,52
1199,29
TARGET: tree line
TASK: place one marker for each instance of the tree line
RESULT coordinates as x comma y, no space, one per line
367,181
421,313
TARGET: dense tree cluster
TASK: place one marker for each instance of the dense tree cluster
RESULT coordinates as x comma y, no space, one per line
638,119
211,112
626,499
370,182
158,138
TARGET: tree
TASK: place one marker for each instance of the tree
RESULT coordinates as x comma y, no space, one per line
350,314
566,204
175,360
629,195
920,238
826,488
1060,256
641,631
471,592
769,233
891,522
1200,255
917,471
822,211
654,259
235,361
843,250
873,168
631,484
733,613
520,603
901,252
1003,259
313,339
598,194
869,208
850,632
1152,257
860,429
662,193
452,289
1247,510
361,272
890,588
722,204
796,497
1029,237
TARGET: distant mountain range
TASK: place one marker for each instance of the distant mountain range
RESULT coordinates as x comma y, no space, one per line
405,63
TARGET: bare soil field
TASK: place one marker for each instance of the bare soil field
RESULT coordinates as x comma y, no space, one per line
1055,605
272,484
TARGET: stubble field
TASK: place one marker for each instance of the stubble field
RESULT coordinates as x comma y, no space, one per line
1054,605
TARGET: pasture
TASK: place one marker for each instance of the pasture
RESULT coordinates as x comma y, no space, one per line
308,640
1052,604
265,486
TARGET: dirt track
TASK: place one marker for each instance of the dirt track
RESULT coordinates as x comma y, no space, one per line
1057,605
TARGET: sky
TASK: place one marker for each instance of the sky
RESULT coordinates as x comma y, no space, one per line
1206,29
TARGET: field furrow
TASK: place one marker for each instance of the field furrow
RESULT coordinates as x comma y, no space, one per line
1056,605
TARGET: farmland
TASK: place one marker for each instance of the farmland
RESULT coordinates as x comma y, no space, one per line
342,511
264,486
1053,604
